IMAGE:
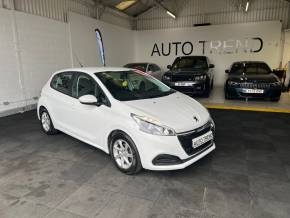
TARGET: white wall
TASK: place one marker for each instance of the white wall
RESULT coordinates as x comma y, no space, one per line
286,54
270,32
10,83
32,48
118,42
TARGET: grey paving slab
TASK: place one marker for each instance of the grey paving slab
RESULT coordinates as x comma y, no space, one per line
25,209
62,214
109,178
124,206
86,201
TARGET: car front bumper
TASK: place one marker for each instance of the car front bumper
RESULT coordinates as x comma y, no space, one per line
197,87
269,93
172,152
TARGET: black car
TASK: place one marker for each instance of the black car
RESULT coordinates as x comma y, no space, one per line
252,79
192,75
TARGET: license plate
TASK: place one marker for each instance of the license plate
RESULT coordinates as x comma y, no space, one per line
196,142
257,91
184,84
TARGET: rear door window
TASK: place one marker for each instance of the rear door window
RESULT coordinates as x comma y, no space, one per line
62,82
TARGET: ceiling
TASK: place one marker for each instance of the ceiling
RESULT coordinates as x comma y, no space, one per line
140,6
135,9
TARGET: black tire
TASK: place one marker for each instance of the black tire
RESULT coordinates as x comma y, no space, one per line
227,96
275,99
50,130
136,165
207,90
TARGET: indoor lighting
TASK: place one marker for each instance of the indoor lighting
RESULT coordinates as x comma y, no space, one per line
171,14
247,6
123,5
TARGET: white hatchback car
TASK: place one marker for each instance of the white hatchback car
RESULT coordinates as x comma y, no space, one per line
135,118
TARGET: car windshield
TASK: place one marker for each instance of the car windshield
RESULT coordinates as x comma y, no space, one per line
133,85
194,63
250,68
138,66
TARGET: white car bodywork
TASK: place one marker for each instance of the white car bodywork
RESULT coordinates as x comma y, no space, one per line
93,125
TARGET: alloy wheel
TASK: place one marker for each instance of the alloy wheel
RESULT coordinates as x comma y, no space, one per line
45,120
123,154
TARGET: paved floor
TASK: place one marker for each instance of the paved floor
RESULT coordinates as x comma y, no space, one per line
217,98
59,177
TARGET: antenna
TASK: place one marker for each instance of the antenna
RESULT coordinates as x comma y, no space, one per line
78,60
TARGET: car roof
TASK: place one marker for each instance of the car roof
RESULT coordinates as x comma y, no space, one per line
136,63
249,62
192,56
93,70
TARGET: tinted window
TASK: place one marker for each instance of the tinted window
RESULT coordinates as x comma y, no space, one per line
137,66
155,67
250,68
85,85
62,82
151,68
190,63
131,85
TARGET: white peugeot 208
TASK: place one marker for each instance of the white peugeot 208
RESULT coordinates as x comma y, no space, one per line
135,118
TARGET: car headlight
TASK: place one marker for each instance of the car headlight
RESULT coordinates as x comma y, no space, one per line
212,124
202,77
151,126
232,83
166,77
276,84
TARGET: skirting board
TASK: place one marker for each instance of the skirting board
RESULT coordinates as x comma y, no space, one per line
18,110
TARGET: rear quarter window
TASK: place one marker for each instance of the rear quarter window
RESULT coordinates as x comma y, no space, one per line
62,82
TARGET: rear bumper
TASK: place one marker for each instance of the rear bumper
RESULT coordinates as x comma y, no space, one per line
269,93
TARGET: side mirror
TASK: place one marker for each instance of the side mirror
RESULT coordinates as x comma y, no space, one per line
89,100
227,71
169,67
211,66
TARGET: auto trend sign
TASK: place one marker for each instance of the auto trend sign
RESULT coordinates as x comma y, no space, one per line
231,46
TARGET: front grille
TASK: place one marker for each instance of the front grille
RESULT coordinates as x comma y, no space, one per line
255,85
185,139
177,78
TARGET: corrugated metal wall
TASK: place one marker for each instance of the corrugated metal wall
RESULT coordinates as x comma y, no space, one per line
190,12
58,9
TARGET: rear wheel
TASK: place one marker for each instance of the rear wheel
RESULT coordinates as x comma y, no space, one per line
46,122
124,154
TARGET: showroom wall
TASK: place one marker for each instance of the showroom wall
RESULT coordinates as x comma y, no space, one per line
223,44
31,48
118,42
286,54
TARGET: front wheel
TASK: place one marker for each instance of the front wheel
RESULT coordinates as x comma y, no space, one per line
124,154
275,99
46,123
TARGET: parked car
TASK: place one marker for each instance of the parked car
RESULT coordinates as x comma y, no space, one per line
150,68
192,75
149,126
252,79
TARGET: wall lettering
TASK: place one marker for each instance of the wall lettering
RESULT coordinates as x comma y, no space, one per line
230,46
